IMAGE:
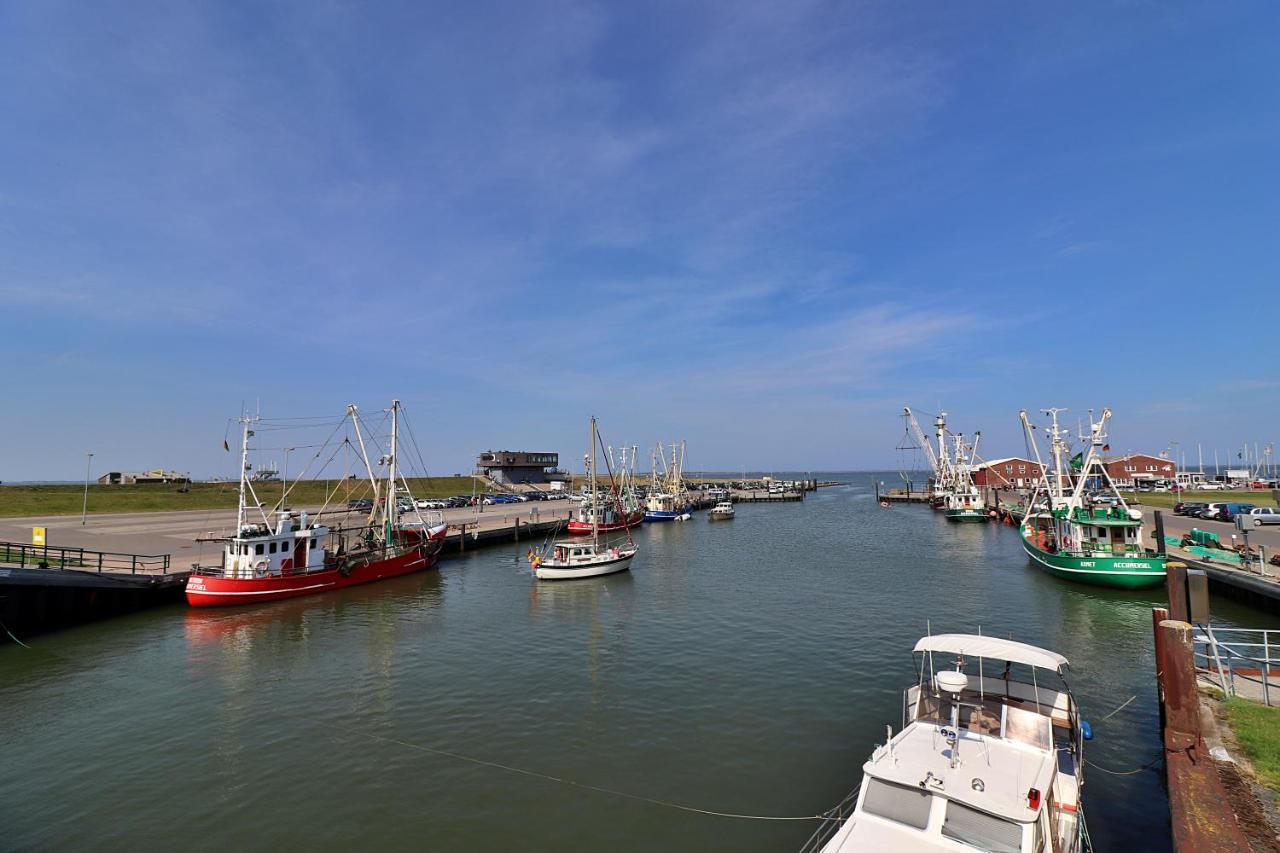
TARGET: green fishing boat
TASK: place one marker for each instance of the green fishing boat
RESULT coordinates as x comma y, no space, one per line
1078,526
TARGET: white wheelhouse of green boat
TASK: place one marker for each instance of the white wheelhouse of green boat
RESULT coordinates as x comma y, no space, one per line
985,760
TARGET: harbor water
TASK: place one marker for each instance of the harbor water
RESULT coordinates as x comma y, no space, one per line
745,667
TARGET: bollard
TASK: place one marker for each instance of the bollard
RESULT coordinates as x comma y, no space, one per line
1176,586
1158,615
1160,546
1177,664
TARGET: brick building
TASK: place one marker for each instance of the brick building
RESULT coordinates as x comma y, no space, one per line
1011,473
1136,469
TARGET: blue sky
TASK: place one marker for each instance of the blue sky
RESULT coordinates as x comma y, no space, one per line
761,227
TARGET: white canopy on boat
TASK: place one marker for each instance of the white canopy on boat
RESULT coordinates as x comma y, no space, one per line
992,648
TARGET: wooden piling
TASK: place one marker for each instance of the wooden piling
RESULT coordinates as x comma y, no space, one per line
1176,587
1201,813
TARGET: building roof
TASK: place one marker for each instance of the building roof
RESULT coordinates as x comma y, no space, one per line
993,462
1108,460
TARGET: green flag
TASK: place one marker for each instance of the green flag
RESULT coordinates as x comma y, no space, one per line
1077,462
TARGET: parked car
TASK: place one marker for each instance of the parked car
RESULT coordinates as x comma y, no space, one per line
1210,487
362,504
1262,515
1188,507
1229,511
1210,511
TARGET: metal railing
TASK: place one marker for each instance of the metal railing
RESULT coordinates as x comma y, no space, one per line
832,820
80,559
1239,661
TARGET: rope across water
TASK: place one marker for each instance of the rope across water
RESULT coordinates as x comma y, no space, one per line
583,785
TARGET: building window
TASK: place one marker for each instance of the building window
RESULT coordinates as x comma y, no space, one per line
1151,467
1022,469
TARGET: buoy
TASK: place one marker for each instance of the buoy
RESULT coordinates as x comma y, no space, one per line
885,504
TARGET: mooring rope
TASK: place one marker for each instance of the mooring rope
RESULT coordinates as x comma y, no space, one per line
1152,763
11,637
1118,710
570,782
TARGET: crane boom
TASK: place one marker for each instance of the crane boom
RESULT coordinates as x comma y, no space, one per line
923,441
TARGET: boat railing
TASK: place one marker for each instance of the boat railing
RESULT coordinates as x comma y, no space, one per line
832,820
1239,661
81,559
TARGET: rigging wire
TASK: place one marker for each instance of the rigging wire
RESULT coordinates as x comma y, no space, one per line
826,816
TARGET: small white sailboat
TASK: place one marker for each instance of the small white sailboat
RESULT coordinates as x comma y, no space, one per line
723,511
988,760
572,560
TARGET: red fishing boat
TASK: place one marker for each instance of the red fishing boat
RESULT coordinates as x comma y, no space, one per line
610,519
297,556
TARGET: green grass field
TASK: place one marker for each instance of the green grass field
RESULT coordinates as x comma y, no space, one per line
66,499
1257,728
1166,500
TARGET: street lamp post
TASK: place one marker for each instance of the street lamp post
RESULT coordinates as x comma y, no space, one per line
84,508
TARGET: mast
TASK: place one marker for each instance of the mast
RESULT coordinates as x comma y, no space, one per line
389,509
595,513
1055,432
244,471
364,454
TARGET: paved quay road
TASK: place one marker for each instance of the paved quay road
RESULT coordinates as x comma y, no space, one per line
175,533
1177,525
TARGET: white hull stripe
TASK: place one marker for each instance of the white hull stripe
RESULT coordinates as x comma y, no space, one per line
260,591
1038,559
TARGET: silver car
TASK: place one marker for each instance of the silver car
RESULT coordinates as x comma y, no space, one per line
1261,515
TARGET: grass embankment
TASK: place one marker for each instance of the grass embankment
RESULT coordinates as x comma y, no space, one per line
67,499
1257,729
1166,500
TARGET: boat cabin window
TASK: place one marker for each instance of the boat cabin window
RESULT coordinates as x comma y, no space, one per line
898,803
981,830
272,549
259,548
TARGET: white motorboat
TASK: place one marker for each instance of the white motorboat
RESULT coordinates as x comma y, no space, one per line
723,511
988,760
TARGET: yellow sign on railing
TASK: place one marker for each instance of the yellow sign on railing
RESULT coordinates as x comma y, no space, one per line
37,536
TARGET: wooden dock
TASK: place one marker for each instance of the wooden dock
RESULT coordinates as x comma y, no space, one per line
43,588
748,497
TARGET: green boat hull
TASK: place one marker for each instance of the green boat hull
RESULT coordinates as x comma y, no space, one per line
966,515
1128,572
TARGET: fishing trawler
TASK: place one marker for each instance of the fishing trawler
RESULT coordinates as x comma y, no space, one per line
574,560
987,760
962,501
1077,525
668,499
952,489
621,508
294,555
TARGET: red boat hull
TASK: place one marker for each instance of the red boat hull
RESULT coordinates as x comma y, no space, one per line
583,528
211,591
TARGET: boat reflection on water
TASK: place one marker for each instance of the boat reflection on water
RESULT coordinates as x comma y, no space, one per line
601,605
274,626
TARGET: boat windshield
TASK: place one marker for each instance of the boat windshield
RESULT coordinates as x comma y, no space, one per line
980,830
898,803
